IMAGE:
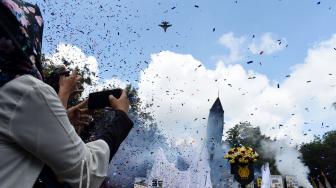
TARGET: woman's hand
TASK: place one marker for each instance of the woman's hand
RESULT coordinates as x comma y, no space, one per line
67,85
79,115
122,103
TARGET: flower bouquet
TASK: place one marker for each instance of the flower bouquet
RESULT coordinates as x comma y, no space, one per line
241,160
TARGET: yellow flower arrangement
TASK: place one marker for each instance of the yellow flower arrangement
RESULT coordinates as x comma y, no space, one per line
242,155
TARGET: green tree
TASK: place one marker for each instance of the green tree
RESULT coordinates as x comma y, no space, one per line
243,134
320,156
50,67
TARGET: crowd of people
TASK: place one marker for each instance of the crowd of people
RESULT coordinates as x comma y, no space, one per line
40,142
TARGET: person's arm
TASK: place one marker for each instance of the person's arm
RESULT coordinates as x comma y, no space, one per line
67,85
79,116
114,126
40,126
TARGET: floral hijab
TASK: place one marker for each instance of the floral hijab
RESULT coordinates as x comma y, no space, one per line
21,28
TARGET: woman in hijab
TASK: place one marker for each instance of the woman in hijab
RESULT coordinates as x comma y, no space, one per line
34,128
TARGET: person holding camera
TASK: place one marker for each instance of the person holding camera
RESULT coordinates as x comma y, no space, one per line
34,127
67,86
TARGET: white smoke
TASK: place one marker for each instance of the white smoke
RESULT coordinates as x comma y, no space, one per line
288,160
265,171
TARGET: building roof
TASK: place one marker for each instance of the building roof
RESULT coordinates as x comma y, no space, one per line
217,106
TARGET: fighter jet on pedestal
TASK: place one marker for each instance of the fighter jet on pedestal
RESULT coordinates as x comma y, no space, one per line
165,25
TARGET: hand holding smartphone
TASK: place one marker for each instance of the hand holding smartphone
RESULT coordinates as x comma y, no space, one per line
99,100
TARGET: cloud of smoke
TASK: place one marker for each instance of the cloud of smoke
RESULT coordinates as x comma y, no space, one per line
288,160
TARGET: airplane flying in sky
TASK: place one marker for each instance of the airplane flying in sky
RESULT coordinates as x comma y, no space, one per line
165,25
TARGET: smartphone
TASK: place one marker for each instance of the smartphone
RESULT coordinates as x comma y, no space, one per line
99,100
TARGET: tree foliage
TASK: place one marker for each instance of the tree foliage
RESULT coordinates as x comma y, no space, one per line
320,156
243,134
50,67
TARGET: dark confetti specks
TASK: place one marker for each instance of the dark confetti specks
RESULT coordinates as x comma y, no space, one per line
197,67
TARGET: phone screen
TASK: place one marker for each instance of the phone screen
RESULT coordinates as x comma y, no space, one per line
99,100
